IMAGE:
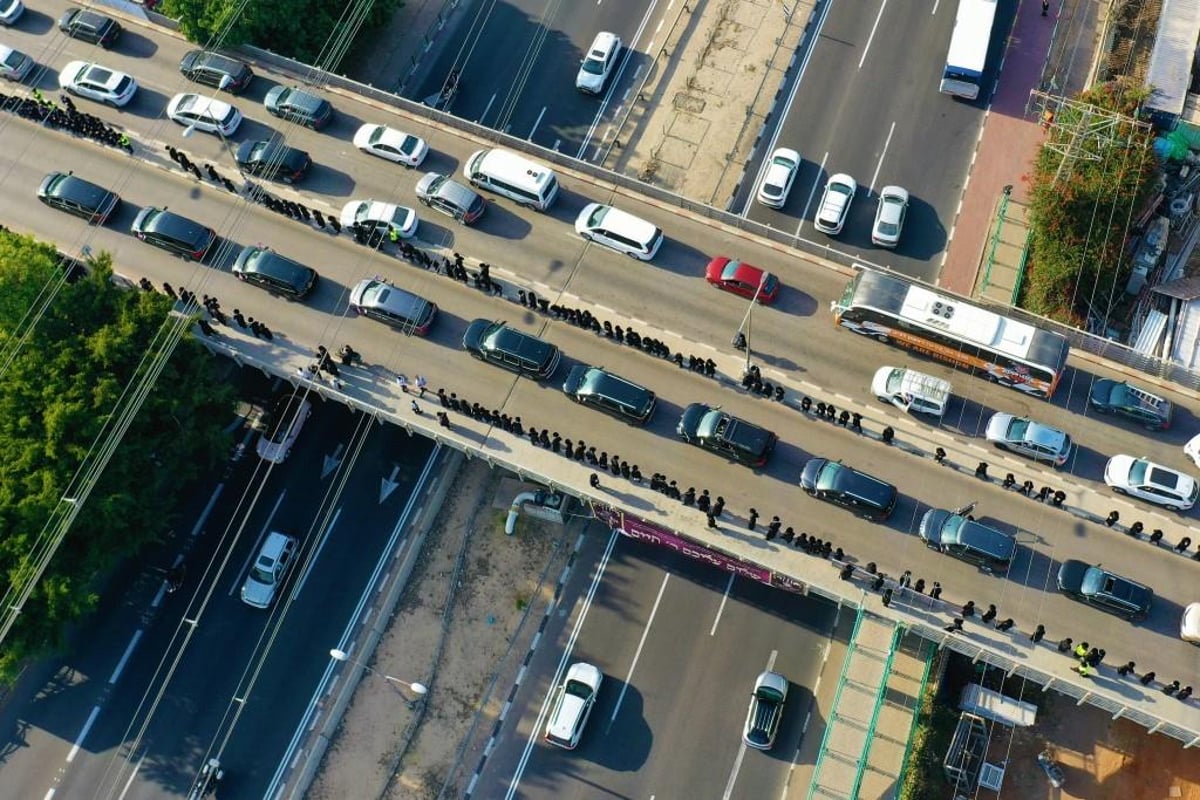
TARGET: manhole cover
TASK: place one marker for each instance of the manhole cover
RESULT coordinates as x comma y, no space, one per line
689,103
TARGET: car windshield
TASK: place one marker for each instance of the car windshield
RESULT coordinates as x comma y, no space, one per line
1137,472
888,228
768,694
578,689
839,188
828,478
597,216
13,59
1018,429
263,572
593,65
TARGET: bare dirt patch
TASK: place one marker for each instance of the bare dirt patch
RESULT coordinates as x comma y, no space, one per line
495,589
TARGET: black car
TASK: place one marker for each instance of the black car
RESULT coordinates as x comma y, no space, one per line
216,70
90,27
64,191
957,534
712,429
612,394
1105,590
1126,400
835,482
173,233
273,160
510,348
300,106
277,274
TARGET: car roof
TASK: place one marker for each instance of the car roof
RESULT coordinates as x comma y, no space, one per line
76,189
381,294
201,104
603,44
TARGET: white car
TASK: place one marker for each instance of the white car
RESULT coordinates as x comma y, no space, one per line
835,204
379,217
269,570
599,63
204,113
11,11
1192,449
1189,624
889,216
623,232
572,705
1151,482
778,178
281,427
391,144
98,83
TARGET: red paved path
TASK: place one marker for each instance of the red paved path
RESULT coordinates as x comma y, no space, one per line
1006,148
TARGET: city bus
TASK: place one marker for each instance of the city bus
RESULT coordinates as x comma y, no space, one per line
963,74
949,329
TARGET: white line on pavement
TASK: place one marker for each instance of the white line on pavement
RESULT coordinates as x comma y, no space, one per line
882,155
737,764
812,193
137,637
721,608
871,38
638,653
87,726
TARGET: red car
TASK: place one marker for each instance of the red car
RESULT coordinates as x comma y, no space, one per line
742,279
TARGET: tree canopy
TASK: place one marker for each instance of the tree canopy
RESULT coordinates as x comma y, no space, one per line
301,29
60,388
1083,204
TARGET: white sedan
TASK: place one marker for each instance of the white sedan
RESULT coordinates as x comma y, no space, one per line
97,83
379,218
203,113
778,178
391,144
889,216
1151,482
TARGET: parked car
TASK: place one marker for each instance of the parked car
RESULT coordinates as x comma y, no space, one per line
1028,438
66,192
379,219
99,83
205,114
835,482
512,349
742,279
172,232
610,393
573,703
217,70
391,144
1192,449
88,26
778,177
269,570
11,11
835,204
273,160
722,433
263,267
1133,402
14,65
598,65
281,427
623,232
765,711
1189,624
1151,482
450,197
956,534
401,309
298,105
1105,590
889,216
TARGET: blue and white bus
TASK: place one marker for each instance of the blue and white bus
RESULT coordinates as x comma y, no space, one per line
963,74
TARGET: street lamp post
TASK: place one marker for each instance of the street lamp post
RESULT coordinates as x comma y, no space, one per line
744,330
419,689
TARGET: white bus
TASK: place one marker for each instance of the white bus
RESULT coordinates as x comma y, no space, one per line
963,74
514,176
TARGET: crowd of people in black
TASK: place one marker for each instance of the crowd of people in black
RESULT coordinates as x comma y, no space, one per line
66,116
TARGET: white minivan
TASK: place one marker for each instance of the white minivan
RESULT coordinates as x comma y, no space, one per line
912,391
623,232
513,176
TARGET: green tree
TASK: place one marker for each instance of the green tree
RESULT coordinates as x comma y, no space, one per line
305,30
61,388
1080,208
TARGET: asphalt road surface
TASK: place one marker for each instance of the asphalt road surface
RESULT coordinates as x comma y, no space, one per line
866,103
680,644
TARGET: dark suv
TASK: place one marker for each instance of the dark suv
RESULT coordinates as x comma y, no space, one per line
173,233
1126,400
510,348
62,190
300,106
90,27
711,428
835,482
960,536
612,394
273,160
216,70
1104,590
277,274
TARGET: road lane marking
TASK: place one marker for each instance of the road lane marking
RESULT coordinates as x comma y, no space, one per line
812,193
536,122
737,762
638,653
133,642
311,563
871,38
879,164
721,608
87,726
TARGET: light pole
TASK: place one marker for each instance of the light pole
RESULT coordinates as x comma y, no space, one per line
743,331
419,689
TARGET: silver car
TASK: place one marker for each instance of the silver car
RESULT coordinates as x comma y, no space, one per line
14,65
889,216
1028,438
765,711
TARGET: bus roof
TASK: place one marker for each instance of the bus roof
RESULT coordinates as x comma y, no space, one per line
972,34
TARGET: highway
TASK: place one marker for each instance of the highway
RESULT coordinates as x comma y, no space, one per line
865,102
680,644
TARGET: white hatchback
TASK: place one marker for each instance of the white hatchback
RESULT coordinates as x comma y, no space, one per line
98,83
778,177
572,705
204,113
835,204
1151,482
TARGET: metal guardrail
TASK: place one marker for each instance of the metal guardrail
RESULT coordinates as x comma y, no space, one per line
897,632
814,787
928,647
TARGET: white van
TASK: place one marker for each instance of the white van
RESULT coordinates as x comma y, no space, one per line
623,232
513,176
909,390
